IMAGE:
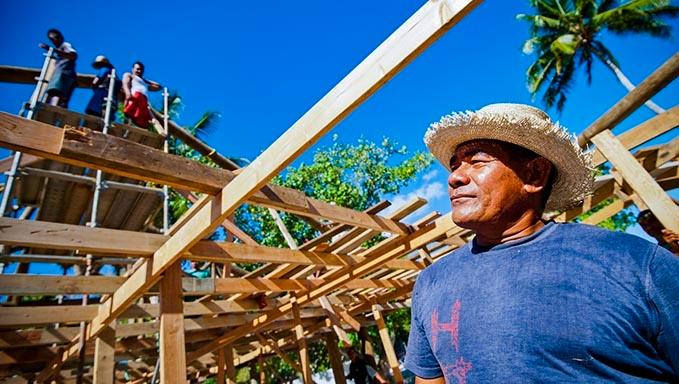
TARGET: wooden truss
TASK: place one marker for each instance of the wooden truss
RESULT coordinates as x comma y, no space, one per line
320,289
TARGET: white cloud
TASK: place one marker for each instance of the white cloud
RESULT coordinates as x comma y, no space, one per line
428,191
430,175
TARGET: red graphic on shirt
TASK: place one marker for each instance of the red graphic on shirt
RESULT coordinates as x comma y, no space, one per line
461,367
458,370
451,327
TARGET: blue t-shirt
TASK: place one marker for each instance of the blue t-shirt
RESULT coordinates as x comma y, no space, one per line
570,303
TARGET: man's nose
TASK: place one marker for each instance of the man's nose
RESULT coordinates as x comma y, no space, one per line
458,177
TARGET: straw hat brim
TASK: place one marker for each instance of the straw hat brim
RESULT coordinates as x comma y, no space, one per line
574,176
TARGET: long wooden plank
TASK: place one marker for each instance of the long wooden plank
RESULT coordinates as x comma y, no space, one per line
61,285
649,129
87,148
388,346
641,181
24,75
656,81
416,34
56,285
30,316
38,234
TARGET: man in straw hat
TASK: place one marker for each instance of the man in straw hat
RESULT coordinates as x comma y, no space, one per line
100,85
528,300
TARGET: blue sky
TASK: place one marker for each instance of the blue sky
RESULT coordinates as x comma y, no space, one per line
263,64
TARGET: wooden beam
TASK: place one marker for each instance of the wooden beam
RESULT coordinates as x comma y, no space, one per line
192,141
388,346
61,285
649,129
633,100
40,234
301,344
172,354
92,149
56,285
25,75
335,358
415,35
644,185
104,356
334,318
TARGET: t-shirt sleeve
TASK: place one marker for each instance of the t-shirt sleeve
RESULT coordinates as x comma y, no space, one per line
420,359
103,72
663,291
67,47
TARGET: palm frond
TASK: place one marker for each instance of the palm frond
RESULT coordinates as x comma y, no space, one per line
205,123
600,50
538,72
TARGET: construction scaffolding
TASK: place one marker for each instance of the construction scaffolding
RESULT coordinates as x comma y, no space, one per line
318,290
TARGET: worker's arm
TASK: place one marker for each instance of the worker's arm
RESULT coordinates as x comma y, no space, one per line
436,380
153,86
127,85
68,53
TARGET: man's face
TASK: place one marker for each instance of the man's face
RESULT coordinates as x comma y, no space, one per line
56,39
484,185
138,70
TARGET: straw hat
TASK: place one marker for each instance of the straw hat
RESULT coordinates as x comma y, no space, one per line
525,126
100,61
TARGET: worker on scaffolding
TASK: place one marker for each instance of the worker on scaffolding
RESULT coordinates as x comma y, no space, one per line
136,89
64,77
100,85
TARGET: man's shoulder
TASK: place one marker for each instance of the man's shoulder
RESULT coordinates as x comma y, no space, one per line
442,267
594,236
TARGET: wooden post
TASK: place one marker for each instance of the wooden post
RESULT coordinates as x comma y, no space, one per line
104,355
366,346
657,200
230,368
172,351
335,358
260,363
220,366
301,343
388,347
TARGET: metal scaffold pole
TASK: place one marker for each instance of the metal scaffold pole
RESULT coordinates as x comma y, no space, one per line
98,186
11,175
166,148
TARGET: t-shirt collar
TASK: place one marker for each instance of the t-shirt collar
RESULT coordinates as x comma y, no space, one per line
476,248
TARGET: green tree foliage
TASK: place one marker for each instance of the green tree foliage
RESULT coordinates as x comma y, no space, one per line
350,175
566,34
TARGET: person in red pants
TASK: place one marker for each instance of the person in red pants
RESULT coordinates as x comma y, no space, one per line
136,89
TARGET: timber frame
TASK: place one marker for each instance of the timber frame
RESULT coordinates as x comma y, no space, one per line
151,320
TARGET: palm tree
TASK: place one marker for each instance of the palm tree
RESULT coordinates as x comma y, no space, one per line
565,35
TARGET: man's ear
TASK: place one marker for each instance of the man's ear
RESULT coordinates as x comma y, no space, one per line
537,174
